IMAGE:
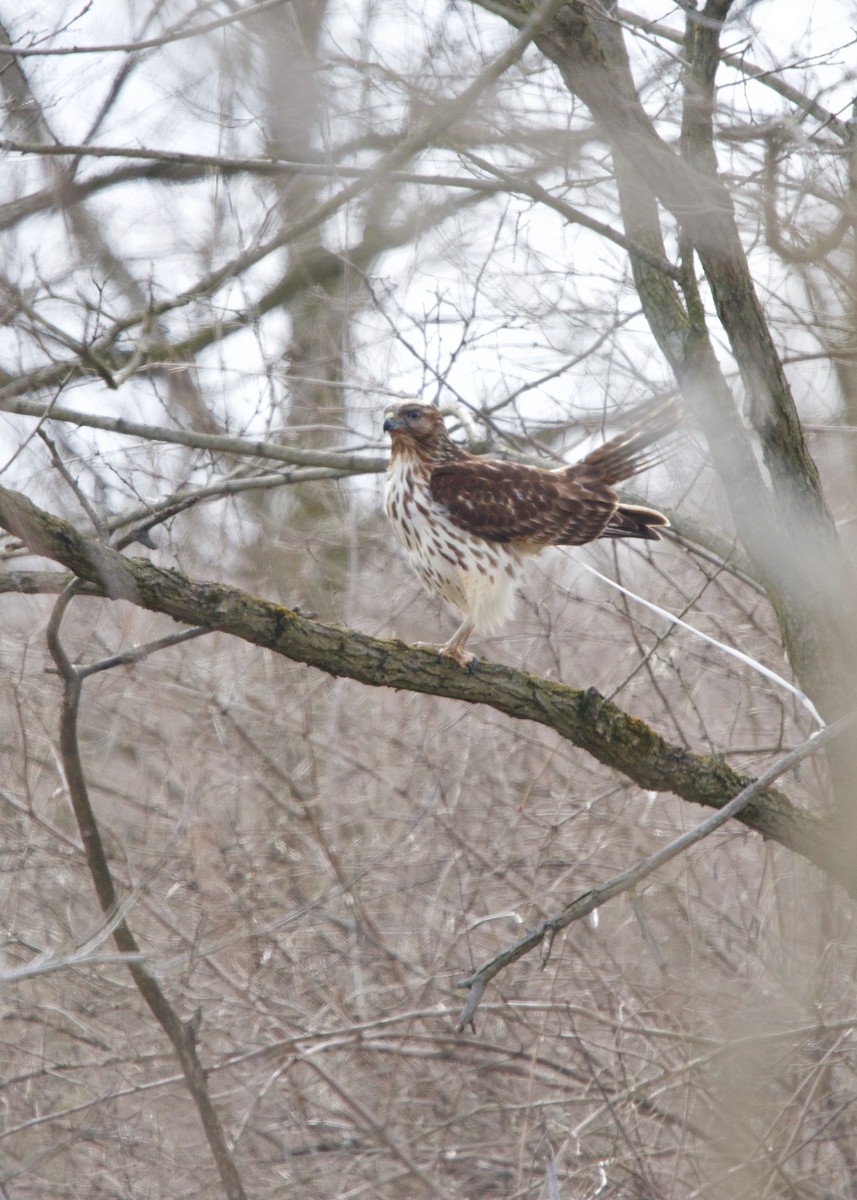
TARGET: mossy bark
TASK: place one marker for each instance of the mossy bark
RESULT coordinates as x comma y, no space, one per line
583,717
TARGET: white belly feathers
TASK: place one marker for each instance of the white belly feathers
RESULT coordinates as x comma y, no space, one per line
477,576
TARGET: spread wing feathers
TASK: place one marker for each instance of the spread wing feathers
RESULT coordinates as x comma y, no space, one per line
630,452
504,501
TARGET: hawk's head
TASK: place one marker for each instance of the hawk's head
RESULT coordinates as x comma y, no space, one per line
417,428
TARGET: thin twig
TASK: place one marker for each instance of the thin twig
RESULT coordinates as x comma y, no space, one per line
732,651
82,499
629,878
165,39
139,653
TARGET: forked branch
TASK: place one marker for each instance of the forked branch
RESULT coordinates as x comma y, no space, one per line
179,1032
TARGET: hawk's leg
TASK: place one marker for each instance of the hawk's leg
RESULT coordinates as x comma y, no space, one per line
454,648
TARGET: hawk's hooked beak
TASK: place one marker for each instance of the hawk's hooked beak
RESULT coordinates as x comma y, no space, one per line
391,423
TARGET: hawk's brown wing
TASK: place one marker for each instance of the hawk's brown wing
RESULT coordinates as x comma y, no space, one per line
504,502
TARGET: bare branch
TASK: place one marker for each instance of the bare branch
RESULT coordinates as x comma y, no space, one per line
574,216
769,79
583,717
349,464
179,1033
629,878
166,39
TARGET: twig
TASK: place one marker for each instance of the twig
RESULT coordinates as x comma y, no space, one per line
158,511
97,523
747,659
547,930
575,216
166,39
139,653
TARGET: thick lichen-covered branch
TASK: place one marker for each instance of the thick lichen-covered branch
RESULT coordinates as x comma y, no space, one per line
583,717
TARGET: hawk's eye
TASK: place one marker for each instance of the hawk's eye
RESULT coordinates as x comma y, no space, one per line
413,414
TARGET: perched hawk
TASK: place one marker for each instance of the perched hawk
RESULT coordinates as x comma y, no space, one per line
468,523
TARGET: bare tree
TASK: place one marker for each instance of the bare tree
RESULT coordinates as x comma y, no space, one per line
295,907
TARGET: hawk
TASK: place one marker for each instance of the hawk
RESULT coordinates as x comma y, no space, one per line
468,524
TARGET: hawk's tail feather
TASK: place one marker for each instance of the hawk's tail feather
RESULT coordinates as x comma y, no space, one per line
630,452
635,521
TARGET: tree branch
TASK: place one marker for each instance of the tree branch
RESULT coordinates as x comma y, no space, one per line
751,72
179,1032
629,878
220,443
165,39
585,718
321,267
